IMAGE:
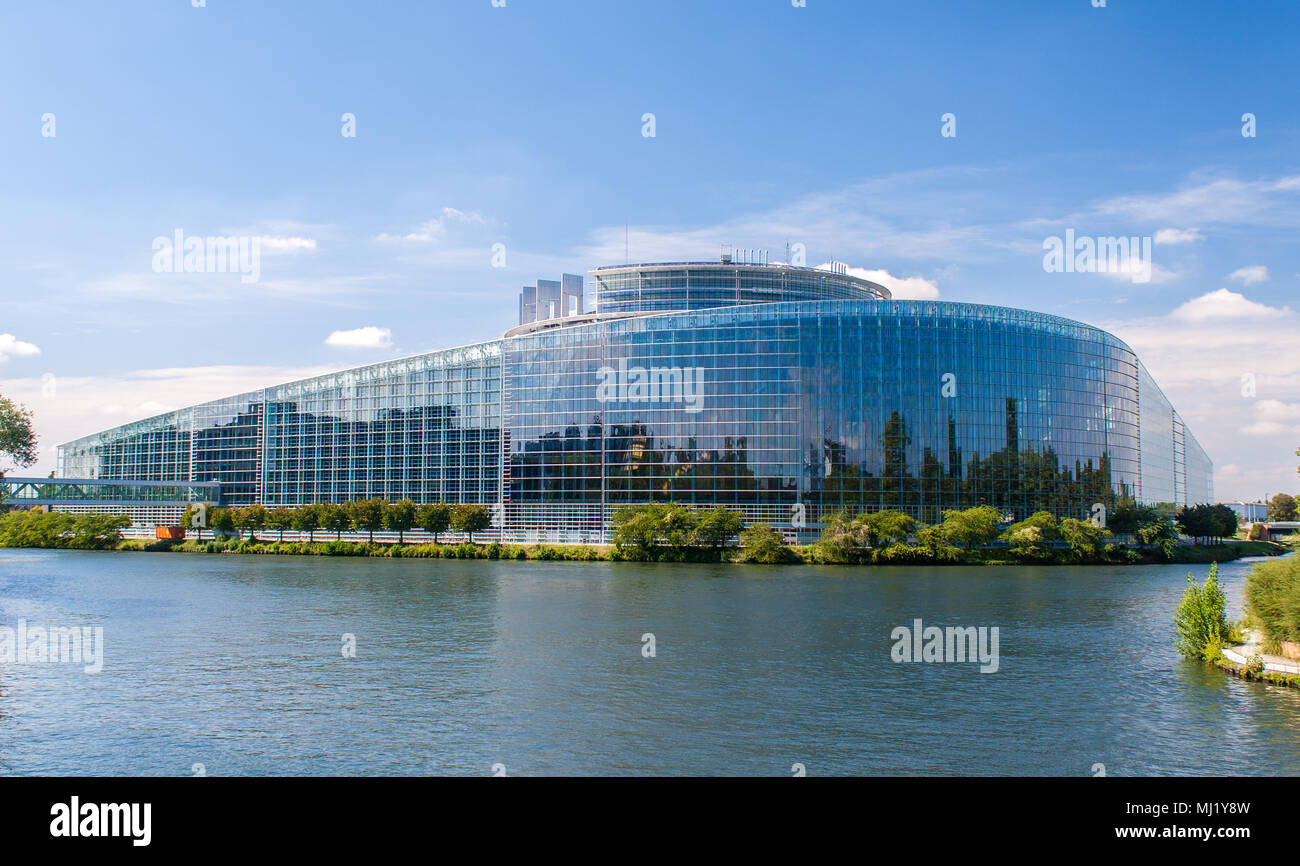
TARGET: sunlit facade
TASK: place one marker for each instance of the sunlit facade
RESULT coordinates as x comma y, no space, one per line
786,393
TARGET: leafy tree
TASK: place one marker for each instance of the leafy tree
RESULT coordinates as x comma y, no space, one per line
973,527
1282,507
252,518
1207,521
934,541
843,539
367,515
34,528
1159,533
716,527
307,519
1033,537
97,531
636,531
17,436
400,516
222,520
1087,542
187,520
760,543
886,527
335,518
656,530
280,519
1129,517
434,518
470,519
1200,622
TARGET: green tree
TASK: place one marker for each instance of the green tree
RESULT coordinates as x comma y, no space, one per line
280,519
1128,517
400,517
251,518
843,539
934,541
335,518
470,519
1159,533
973,527
1032,538
34,528
1282,507
760,543
434,518
307,518
367,515
17,435
887,527
95,531
716,527
187,519
636,530
222,520
1200,622
1087,542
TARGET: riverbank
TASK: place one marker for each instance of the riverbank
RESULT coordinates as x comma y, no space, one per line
805,554
1249,663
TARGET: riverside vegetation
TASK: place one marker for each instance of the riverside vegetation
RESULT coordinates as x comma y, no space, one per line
672,532
1272,609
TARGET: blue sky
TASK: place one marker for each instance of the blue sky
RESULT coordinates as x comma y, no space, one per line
522,126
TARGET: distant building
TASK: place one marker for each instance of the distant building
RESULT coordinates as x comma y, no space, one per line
1249,512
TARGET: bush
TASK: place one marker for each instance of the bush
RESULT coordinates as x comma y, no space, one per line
1273,599
760,543
1200,622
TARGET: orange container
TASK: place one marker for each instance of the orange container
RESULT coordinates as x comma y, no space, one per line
175,533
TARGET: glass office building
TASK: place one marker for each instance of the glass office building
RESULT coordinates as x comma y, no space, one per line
783,392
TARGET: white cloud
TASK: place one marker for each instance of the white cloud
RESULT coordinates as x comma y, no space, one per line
1230,367
1144,271
1250,275
368,337
918,288
436,228
1216,201
274,244
1224,304
1177,236
11,345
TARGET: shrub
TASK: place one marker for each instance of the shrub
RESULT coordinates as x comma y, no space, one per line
760,543
1200,622
1273,599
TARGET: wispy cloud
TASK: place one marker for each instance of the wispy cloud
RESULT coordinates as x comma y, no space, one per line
436,229
1171,237
1249,275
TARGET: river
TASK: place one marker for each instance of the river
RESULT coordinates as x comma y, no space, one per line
235,665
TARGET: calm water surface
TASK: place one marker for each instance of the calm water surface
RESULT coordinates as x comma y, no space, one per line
235,662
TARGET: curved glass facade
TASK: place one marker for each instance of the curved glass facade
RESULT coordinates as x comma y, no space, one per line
783,410
696,286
